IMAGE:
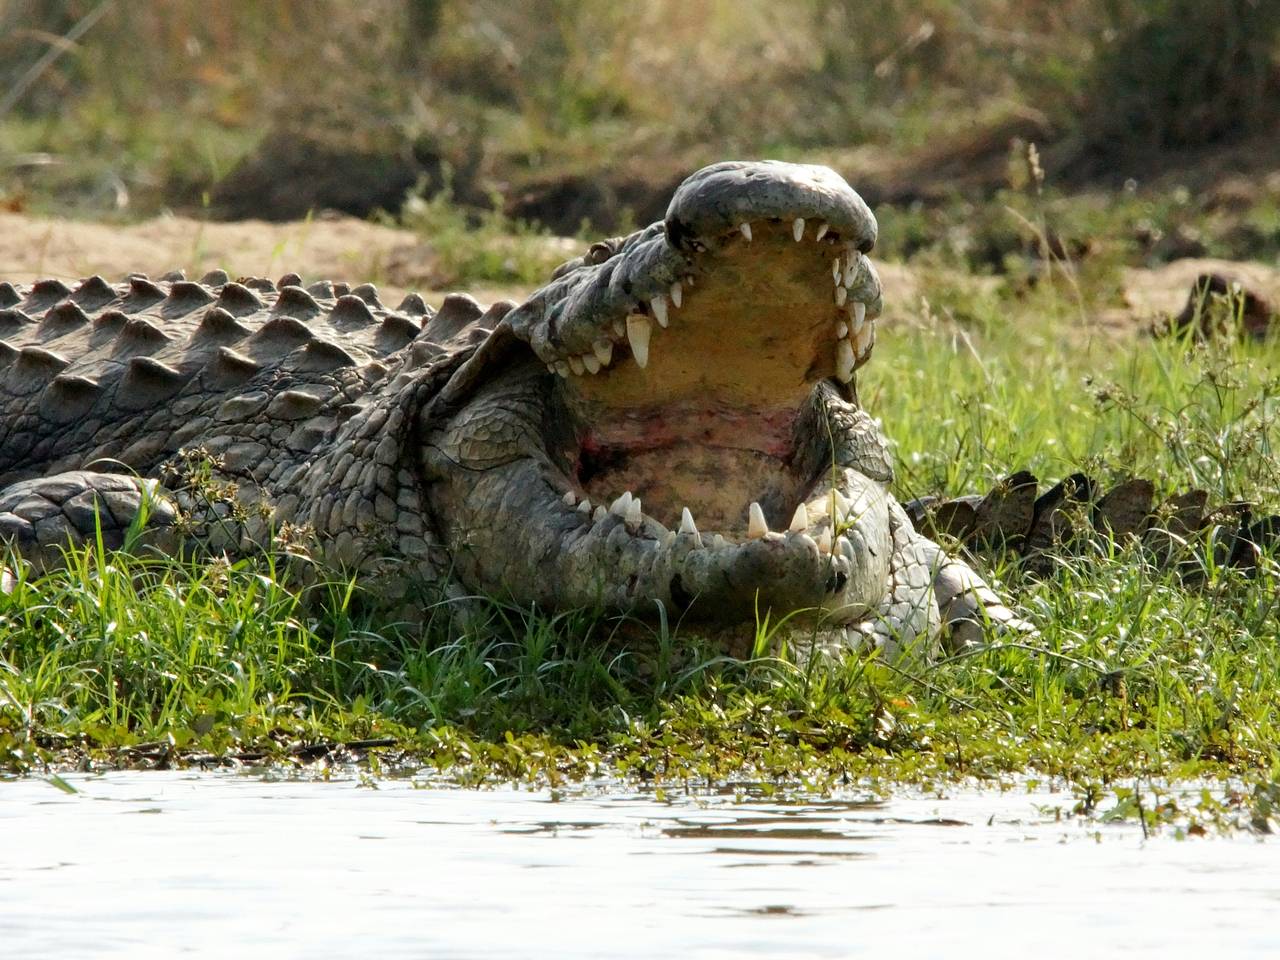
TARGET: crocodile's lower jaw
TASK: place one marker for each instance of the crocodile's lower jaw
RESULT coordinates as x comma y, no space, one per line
714,483
715,436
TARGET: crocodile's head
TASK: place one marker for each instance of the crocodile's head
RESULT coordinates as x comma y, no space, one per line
700,374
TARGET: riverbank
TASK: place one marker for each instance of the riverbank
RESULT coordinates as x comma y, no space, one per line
1136,674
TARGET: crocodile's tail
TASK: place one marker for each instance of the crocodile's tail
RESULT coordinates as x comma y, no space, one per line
1181,530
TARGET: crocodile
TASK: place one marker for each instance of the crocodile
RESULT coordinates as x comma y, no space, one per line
671,424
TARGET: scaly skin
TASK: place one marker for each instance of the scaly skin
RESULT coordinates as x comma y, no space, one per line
702,367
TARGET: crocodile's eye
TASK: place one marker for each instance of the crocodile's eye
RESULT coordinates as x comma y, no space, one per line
599,253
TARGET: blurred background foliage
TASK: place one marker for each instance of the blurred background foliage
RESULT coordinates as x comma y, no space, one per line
565,111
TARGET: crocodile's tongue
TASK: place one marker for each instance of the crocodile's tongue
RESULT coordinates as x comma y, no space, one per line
708,421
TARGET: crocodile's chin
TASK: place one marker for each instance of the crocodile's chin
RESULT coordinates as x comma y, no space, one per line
698,404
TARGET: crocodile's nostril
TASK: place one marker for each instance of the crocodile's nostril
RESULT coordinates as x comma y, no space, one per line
680,597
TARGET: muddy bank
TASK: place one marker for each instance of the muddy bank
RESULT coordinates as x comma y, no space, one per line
330,247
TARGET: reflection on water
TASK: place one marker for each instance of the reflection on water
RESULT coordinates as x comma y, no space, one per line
225,865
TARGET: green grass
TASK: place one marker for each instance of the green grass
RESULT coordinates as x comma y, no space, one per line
96,161
484,245
1098,229
1023,382
1134,676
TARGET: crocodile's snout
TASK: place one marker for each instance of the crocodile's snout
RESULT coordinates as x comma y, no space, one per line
720,198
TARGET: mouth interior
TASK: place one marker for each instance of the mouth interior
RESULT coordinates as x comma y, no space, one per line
709,423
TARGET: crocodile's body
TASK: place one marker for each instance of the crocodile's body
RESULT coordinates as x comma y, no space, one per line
555,452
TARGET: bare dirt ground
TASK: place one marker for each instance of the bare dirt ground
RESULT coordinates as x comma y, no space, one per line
344,248
1165,289
336,248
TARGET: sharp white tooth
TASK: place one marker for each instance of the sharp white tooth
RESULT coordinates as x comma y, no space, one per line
551,368
585,507
842,330
746,230
619,328
562,368
835,270
718,541
569,498
659,307
844,361
688,528
575,364
620,506
669,539
638,330
797,229
859,315
851,271
604,351
634,513
756,527
800,519
677,294
822,230
824,541
865,339
600,514
591,363
686,521
841,505
841,296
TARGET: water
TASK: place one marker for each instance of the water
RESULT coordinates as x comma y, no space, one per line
211,865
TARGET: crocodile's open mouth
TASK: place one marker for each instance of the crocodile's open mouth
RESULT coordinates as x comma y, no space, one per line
702,435
694,405
717,437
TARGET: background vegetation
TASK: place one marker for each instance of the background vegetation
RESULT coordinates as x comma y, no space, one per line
566,110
